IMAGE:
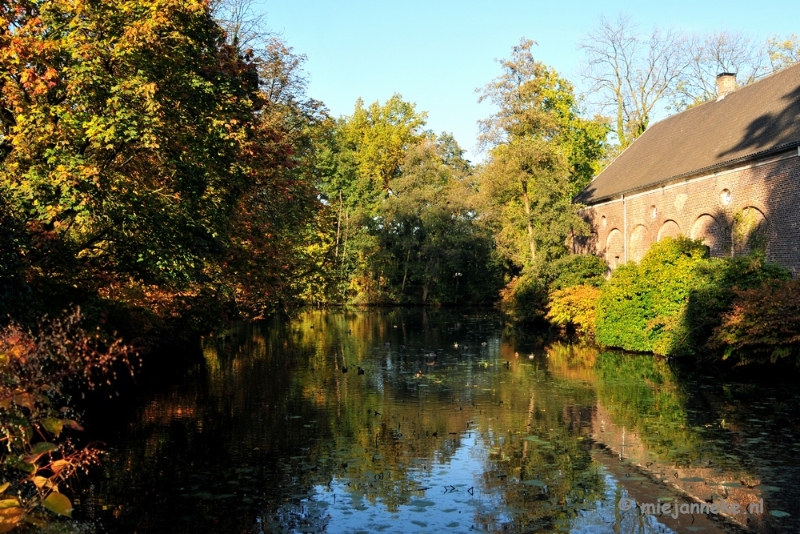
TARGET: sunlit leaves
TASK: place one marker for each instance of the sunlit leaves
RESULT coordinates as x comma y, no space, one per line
34,376
542,153
58,504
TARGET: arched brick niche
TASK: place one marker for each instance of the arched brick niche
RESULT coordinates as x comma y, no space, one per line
615,248
640,242
669,229
749,231
711,232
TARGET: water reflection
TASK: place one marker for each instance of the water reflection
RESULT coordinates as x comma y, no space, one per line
420,420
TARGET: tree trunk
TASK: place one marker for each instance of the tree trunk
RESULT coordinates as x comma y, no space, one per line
527,201
338,224
405,272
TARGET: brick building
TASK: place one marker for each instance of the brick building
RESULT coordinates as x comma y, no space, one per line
727,172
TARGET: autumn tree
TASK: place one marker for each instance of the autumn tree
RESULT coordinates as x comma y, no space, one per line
150,160
783,53
362,154
435,248
542,153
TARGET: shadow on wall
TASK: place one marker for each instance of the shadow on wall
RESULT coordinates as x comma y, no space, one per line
734,233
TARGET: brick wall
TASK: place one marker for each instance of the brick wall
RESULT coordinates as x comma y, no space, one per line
733,210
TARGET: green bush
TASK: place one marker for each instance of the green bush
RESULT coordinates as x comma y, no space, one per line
642,306
575,270
670,302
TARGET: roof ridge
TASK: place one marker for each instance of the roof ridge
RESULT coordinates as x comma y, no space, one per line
754,119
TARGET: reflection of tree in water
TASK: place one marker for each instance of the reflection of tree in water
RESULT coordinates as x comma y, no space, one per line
265,433
538,459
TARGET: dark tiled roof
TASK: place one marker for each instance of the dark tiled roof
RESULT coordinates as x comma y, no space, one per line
758,119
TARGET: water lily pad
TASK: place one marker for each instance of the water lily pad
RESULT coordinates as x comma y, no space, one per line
779,513
58,504
532,482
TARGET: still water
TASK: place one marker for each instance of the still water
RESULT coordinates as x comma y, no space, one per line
444,421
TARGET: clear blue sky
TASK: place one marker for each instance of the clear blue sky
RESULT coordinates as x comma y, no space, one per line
436,53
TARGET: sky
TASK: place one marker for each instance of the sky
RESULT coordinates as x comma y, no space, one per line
435,53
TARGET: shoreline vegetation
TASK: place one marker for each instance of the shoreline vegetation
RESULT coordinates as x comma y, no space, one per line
163,170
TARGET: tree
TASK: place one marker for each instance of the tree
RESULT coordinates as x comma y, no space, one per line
244,27
711,54
542,153
361,155
783,53
435,248
143,156
631,74
635,77
380,135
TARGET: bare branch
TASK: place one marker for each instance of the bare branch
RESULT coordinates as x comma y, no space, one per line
630,76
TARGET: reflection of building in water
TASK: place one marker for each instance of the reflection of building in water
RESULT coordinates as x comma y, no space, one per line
726,172
701,479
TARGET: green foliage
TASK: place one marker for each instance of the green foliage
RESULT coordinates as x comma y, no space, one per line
762,326
36,418
574,270
404,228
525,298
642,305
542,153
147,162
670,301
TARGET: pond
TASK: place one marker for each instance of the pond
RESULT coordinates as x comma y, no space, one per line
444,421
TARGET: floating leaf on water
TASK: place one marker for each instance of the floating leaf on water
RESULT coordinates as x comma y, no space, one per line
779,513
537,483
58,504
536,439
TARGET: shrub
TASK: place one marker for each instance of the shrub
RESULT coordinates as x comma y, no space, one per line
671,301
642,306
524,298
575,270
36,419
574,307
762,326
